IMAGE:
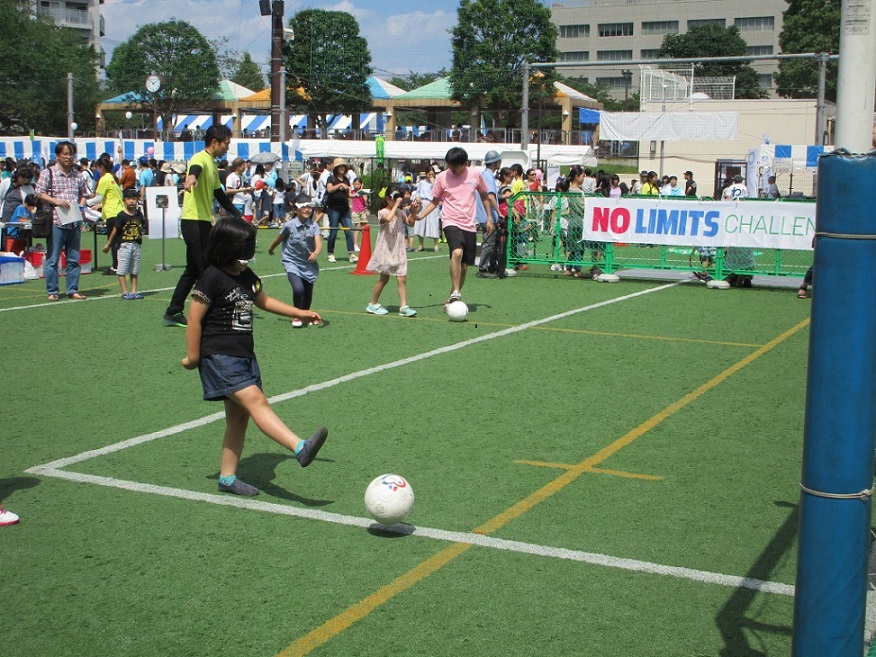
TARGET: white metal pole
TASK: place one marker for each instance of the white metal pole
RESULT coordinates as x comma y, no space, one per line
856,83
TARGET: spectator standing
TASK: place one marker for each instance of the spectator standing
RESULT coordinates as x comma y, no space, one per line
127,177
61,186
430,226
359,211
201,186
337,204
771,190
111,203
126,232
241,196
487,214
735,191
690,185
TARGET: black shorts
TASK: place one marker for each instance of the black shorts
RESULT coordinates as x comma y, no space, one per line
461,239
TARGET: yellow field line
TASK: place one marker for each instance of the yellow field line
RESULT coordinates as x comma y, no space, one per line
358,611
614,473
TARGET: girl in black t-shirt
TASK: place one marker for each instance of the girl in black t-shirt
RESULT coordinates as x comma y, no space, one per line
219,343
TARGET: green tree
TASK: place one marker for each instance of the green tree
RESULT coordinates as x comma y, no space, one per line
248,74
413,80
491,41
327,64
602,93
809,26
178,54
715,41
34,80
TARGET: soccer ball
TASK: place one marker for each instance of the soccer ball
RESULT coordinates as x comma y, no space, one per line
389,499
457,311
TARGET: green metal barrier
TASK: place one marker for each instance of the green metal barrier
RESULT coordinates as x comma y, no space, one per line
546,228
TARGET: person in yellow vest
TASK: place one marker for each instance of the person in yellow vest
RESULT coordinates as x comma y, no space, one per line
201,187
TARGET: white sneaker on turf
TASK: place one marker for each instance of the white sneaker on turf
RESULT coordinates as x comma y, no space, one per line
297,323
7,517
332,258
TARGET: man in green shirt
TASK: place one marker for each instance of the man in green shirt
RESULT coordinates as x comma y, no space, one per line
196,220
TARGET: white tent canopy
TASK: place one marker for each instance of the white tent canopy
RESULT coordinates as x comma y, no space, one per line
427,150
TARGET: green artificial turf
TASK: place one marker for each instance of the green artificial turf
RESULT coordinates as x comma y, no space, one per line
98,570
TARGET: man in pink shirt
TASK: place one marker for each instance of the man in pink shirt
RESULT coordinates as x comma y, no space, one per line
459,188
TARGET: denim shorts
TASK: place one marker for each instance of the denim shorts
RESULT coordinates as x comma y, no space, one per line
223,375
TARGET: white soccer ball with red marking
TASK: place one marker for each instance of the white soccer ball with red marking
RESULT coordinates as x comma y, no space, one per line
389,499
457,311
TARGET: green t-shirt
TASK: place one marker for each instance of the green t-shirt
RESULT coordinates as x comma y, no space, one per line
198,204
112,197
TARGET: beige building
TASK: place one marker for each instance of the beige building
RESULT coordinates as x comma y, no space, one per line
777,121
83,16
619,31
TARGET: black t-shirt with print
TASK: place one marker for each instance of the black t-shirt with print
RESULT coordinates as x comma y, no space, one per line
340,198
227,325
129,227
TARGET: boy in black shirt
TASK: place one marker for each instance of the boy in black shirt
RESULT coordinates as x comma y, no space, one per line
127,231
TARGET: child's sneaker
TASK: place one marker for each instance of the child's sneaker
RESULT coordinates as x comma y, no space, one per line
331,258
7,517
311,447
354,257
376,309
136,295
407,311
297,323
239,487
127,296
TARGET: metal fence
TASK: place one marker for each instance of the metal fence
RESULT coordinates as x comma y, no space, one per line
547,228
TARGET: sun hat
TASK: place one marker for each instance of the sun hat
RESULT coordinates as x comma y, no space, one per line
339,162
492,156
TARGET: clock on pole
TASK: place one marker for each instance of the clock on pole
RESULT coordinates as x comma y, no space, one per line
153,83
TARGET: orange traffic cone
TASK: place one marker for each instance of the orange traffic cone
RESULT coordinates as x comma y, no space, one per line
364,254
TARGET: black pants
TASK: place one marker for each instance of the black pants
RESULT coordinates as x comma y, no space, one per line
302,291
196,235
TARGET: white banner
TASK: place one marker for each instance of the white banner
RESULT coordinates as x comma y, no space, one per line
763,224
669,126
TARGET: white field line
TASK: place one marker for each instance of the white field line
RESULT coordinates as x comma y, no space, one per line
479,540
53,470
317,387
113,279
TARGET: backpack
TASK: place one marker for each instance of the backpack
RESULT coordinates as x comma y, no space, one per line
43,217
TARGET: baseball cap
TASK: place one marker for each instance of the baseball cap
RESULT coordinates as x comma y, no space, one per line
737,178
143,160
130,192
492,156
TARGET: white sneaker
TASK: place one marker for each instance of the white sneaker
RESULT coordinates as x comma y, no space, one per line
356,249
297,323
7,517
331,258
354,257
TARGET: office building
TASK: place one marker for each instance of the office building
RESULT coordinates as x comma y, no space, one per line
618,31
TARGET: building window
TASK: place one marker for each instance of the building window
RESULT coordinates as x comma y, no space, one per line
651,28
575,56
706,21
759,50
614,55
615,29
765,80
650,53
613,82
574,31
756,24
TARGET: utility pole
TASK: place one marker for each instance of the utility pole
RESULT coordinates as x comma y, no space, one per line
278,89
70,125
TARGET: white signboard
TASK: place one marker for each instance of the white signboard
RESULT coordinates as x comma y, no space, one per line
763,224
163,221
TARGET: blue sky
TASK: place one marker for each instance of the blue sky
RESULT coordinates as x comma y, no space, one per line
402,35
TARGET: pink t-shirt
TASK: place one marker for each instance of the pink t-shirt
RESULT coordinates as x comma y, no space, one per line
459,193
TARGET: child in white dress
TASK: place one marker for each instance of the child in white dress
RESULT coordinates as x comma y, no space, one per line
390,257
